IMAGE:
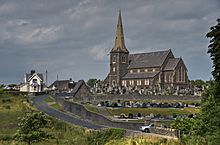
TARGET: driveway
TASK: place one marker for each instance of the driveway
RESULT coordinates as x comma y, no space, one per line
39,103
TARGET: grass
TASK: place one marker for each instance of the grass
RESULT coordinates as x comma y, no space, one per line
55,106
148,111
98,110
164,101
143,140
11,107
48,100
62,132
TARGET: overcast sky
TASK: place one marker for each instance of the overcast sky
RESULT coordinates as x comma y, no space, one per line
73,38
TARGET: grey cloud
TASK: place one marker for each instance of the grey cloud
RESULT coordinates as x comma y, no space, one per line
73,38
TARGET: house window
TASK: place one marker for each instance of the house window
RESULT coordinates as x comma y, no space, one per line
35,88
131,71
154,69
146,70
146,82
138,70
34,80
113,69
123,59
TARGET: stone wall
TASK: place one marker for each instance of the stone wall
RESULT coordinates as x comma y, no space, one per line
111,97
81,111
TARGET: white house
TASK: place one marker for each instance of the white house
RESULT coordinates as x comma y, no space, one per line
33,82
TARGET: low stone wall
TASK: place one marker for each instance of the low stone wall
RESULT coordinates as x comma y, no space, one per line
111,97
81,111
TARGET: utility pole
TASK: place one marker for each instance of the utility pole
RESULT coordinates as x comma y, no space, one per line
46,78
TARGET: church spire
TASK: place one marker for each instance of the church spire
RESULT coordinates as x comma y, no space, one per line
119,39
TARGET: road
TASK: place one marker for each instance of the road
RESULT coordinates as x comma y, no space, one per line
39,103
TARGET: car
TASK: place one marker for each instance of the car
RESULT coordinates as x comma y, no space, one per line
147,128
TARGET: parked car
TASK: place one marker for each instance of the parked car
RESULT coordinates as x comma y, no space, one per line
147,128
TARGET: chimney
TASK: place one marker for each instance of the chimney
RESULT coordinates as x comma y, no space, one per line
32,72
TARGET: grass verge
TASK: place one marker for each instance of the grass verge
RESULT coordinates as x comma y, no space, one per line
148,111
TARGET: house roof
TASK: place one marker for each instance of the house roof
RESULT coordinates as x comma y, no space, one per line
59,83
77,86
140,75
151,59
28,76
171,64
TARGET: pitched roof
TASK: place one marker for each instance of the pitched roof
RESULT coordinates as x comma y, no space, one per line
151,59
140,75
77,86
59,83
172,63
28,76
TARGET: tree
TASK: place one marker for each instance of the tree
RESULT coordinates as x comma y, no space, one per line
32,128
206,126
197,83
91,82
214,51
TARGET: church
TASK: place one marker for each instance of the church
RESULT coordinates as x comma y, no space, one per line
154,71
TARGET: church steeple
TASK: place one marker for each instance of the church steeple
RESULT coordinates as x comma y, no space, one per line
119,38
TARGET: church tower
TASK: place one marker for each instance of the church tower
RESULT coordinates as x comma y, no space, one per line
118,56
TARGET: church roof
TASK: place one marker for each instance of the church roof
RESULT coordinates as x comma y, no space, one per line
151,59
140,75
171,64
119,38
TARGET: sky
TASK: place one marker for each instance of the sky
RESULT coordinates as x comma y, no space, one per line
72,38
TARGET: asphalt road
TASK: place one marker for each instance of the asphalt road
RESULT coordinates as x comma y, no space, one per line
39,103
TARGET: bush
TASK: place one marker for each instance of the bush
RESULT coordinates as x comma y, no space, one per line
5,137
7,107
104,136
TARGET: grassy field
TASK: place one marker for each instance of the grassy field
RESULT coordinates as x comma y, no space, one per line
11,107
143,140
148,111
191,102
63,133
55,106
48,100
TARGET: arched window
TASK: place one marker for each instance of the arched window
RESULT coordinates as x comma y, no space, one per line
114,59
123,59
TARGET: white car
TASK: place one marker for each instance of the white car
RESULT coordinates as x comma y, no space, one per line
147,128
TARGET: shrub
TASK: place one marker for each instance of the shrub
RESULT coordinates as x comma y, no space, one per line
7,107
104,136
5,137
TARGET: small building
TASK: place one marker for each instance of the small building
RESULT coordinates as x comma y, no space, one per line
62,85
33,82
81,89
70,88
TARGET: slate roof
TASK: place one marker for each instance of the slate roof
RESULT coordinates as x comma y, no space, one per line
28,76
171,64
152,59
142,75
59,83
77,86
